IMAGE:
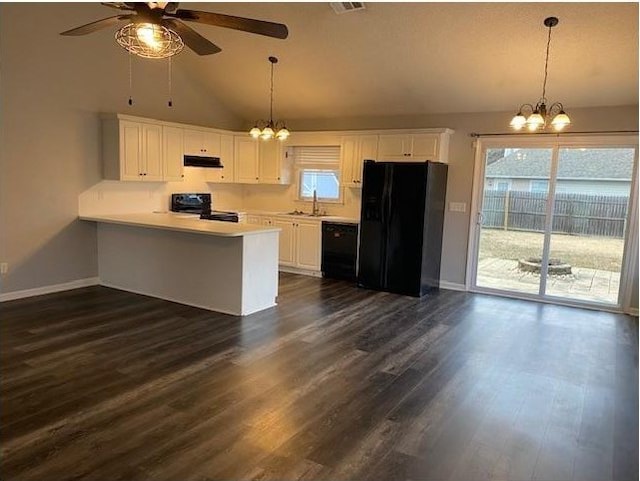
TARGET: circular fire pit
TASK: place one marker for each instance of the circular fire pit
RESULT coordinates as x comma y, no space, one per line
534,265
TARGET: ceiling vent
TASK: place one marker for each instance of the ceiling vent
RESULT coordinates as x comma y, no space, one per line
344,7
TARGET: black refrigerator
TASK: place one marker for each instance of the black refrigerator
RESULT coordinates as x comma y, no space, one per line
401,226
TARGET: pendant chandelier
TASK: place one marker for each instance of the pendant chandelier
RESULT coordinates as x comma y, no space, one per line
267,130
149,40
538,116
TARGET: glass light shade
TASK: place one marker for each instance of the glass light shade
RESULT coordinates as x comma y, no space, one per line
282,134
560,121
255,132
267,133
534,121
518,121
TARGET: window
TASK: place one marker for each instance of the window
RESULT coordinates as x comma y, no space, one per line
502,185
539,186
318,170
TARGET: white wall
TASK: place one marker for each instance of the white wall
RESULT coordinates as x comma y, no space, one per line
52,89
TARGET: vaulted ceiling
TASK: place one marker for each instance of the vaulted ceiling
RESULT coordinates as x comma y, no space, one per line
415,58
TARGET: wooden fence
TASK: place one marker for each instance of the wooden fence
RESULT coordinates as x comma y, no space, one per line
578,214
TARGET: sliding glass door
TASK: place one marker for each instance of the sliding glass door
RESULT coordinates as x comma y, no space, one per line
552,219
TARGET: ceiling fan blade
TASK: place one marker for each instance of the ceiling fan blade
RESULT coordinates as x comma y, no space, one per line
97,25
261,27
191,38
117,5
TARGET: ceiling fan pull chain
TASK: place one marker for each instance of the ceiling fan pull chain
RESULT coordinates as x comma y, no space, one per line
130,80
170,103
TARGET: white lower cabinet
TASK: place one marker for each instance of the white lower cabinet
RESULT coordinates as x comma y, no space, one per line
308,244
287,251
300,240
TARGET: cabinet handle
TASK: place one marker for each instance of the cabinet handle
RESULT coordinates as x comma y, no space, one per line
256,178
182,175
222,176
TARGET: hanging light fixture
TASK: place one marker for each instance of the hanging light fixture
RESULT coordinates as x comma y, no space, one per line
538,116
267,130
149,40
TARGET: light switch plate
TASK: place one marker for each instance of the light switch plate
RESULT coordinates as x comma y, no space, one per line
457,206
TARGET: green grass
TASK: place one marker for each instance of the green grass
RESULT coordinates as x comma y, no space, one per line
592,252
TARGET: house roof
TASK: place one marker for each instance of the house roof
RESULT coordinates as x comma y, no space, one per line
573,164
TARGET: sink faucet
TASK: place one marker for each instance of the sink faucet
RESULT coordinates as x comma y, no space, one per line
315,210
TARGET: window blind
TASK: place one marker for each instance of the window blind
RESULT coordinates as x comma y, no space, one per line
325,156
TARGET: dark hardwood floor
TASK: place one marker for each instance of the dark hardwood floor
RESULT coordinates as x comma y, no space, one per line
336,383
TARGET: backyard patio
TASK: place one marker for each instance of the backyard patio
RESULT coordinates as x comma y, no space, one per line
595,264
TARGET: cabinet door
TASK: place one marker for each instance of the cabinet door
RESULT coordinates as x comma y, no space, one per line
425,147
246,160
308,241
348,159
193,142
367,150
152,152
211,144
130,150
286,251
270,159
172,142
394,147
226,157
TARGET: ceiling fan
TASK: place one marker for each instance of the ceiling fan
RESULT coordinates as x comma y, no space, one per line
156,30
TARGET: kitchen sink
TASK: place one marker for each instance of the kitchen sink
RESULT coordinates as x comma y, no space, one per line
305,214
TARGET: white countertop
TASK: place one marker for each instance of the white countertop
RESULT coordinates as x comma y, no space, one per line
328,218
192,224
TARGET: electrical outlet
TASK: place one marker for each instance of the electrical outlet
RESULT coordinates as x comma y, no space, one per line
457,206
4,267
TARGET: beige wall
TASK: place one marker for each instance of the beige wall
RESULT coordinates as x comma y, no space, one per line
461,160
52,89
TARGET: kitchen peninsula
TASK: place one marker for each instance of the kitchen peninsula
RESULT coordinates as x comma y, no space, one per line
220,266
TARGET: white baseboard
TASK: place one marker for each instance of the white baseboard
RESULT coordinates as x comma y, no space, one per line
453,286
632,311
39,291
296,270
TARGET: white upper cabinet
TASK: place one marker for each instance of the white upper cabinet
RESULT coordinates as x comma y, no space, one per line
260,162
201,142
227,173
138,149
246,160
173,149
355,149
270,155
132,150
394,147
413,147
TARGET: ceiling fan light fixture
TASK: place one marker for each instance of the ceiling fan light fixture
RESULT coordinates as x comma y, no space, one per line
539,115
149,40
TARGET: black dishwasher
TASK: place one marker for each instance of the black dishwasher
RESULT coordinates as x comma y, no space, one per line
339,250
